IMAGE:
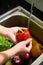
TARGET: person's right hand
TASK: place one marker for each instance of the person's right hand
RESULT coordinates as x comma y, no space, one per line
22,48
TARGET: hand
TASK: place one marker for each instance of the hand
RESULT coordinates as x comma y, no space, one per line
18,48
22,48
10,32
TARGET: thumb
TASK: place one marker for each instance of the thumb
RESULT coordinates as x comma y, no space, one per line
29,47
28,44
28,41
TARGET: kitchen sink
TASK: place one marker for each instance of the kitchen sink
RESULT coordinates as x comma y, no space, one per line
20,17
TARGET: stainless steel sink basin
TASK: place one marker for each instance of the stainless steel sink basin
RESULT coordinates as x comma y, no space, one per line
20,17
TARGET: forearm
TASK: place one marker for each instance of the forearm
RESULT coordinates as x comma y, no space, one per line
5,55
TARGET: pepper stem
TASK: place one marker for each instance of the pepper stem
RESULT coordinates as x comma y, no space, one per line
21,31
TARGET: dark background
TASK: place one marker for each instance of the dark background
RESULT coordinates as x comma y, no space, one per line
6,5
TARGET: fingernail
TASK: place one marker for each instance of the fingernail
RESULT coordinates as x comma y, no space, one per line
30,38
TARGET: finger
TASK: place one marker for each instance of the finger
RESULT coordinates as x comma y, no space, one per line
22,28
28,41
29,47
15,29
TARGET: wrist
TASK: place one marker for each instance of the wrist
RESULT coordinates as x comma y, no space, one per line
3,30
11,52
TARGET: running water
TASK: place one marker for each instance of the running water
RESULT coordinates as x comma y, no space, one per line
31,10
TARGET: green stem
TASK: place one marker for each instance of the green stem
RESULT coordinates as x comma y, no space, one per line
21,31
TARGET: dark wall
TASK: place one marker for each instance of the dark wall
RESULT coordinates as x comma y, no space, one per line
6,5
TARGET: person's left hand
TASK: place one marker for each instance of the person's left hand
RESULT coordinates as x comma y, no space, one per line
11,33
